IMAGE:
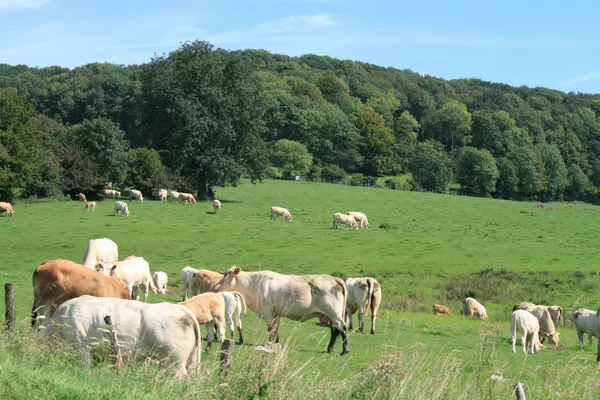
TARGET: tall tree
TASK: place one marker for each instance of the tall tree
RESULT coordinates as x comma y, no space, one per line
450,125
292,157
556,177
477,171
376,144
201,110
430,167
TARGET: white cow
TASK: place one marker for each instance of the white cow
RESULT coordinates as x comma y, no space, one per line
136,195
174,196
169,330
134,274
348,220
187,279
160,194
216,206
526,323
102,252
121,207
585,322
472,307
363,293
112,193
360,217
299,297
284,212
545,320
556,312
161,279
233,305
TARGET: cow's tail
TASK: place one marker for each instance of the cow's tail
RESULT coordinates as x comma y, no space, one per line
345,293
241,299
370,291
196,354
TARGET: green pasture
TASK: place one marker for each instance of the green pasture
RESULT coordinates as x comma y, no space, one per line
423,248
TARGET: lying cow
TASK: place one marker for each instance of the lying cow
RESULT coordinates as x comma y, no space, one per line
363,293
284,212
348,220
103,252
90,206
216,206
136,195
81,197
165,329
187,198
134,274
360,217
121,207
161,279
112,193
56,281
299,297
526,323
187,278
8,208
472,307
585,322
440,309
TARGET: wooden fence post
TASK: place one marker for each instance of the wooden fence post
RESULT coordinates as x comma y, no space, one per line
226,356
519,392
114,343
9,305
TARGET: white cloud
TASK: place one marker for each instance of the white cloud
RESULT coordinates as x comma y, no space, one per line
20,4
574,80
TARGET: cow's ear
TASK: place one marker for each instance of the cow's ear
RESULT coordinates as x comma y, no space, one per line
113,268
236,270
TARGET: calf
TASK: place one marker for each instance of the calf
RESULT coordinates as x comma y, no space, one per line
363,293
472,307
8,208
348,220
56,281
524,322
216,206
360,217
170,330
121,207
585,322
275,211
160,281
209,310
440,309
90,206
134,274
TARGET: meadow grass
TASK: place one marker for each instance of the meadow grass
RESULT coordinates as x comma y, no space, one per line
422,247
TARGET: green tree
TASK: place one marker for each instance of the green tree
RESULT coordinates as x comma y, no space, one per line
377,143
430,167
201,111
477,172
529,169
507,185
450,125
145,169
556,177
292,157
386,106
578,182
333,174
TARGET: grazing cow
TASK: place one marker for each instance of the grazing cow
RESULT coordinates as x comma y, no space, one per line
204,280
160,194
8,208
165,329
102,252
112,193
472,307
161,279
275,211
121,207
363,293
56,281
216,206
209,310
526,323
585,322
187,198
360,217
81,197
134,274
545,321
233,305
136,195
348,220
299,297
440,309
187,279
90,206
556,312
173,196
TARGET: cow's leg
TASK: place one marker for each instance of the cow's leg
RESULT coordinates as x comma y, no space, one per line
345,348
580,336
229,322
334,334
514,341
146,292
361,320
220,328
239,328
210,327
238,311
373,318
349,316
524,343
589,338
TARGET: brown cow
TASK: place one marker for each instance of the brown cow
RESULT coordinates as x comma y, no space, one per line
56,281
204,280
440,309
8,208
81,197
187,198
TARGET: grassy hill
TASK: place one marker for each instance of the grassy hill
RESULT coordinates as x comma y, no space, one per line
423,248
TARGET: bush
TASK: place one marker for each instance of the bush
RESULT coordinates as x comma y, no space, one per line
356,180
333,174
314,174
370,181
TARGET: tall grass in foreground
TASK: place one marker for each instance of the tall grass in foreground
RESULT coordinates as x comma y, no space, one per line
33,370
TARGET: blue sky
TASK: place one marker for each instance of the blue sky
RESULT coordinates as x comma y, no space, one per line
534,43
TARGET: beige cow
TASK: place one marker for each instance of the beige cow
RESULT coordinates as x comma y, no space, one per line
112,193
216,206
363,294
90,206
472,307
81,197
348,220
527,324
556,312
440,309
204,280
284,212
134,274
103,252
547,329
8,208
360,217
209,310
121,207
187,198
136,195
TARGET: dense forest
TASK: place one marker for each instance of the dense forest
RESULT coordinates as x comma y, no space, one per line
200,118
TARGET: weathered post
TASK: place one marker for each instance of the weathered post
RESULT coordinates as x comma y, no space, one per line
519,392
226,356
9,305
114,343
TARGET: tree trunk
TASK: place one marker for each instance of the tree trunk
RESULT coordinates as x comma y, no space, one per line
205,191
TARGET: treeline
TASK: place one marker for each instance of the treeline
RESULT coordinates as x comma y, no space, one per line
198,118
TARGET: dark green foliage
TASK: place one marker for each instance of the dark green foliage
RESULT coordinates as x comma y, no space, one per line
376,144
430,167
333,174
292,157
145,170
477,172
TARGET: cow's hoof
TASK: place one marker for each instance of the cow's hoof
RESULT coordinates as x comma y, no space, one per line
329,350
345,352
372,332
241,342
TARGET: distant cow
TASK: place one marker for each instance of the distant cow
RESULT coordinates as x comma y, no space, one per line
472,307
216,206
360,217
173,196
161,279
121,207
8,208
585,322
56,281
299,297
166,329
187,278
81,197
102,252
134,274
136,195
112,193
284,212
160,194
91,205
440,309
348,220
187,198
524,322
363,294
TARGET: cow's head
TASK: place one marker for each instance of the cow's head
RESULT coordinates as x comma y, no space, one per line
229,280
553,338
